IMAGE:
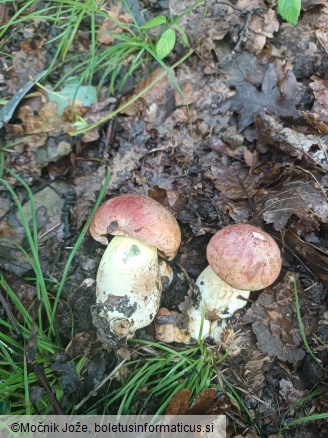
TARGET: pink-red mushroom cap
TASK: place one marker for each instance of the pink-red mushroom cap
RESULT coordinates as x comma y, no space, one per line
244,256
140,217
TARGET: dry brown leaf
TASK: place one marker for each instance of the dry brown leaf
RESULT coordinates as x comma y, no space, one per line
46,122
4,13
26,64
235,181
208,402
154,96
110,25
251,158
179,403
261,28
300,198
320,90
322,36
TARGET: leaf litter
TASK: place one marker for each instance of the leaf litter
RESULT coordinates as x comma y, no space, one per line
255,97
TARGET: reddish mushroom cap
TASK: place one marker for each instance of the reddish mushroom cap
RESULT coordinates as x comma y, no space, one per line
244,256
140,217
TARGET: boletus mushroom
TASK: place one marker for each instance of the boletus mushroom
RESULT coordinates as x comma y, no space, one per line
242,258
128,290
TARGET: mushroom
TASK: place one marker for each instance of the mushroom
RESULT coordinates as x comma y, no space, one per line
242,258
129,285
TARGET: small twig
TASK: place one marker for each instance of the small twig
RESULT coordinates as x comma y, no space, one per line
9,312
39,371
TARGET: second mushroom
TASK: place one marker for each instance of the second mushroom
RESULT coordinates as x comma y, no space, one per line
242,258
129,286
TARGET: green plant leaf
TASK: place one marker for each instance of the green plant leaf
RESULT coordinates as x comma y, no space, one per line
290,10
183,35
153,22
166,43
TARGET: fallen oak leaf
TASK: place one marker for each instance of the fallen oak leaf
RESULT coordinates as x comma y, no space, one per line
249,101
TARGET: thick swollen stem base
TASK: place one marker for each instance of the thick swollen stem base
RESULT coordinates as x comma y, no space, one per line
128,289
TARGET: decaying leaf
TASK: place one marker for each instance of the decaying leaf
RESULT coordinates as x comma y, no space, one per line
322,36
320,90
275,324
311,148
47,122
288,392
300,198
4,13
260,28
208,402
247,363
315,258
234,181
249,101
8,110
110,26
27,63
82,343
179,403
154,96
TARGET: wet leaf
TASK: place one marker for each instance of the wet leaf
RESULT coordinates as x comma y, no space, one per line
312,256
275,323
311,148
249,101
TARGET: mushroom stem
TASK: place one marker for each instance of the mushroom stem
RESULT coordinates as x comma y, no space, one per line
128,288
218,301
